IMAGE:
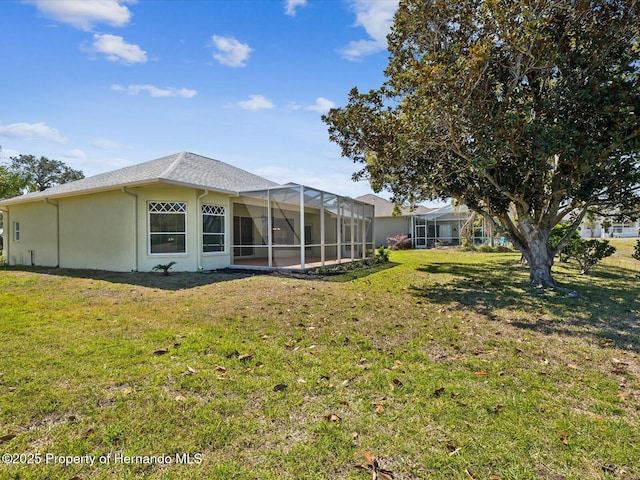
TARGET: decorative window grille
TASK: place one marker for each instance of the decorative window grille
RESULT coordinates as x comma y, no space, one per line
167,227
213,228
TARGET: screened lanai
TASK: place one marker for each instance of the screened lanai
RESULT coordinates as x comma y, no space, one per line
296,227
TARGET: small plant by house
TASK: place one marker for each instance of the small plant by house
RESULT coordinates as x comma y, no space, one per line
636,253
382,254
164,267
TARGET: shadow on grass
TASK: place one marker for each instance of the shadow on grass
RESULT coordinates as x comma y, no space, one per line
607,309
173,281
342,277
186,280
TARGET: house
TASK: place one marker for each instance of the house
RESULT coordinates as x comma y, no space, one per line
595,229
389,220
201,213
427,227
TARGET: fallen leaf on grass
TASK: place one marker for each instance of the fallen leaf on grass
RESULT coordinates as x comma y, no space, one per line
245,357
438,391
572,366
481,374
190,370
623,396
453,450
618,362
563,438
219,368
373,467
379,409
7,437
280,387
180,398
161,351
332,417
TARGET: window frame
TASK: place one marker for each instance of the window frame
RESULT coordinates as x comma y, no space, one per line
16,232
223,234
150,234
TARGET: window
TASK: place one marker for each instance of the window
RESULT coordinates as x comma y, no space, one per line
167,227
213,219
16,231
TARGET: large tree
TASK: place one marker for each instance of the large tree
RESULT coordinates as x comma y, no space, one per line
43,173
11,183
527,111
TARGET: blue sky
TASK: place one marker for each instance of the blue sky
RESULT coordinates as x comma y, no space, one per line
102,84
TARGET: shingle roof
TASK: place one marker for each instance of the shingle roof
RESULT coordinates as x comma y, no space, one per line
185,169
384,208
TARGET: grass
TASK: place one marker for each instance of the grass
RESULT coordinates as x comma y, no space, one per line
443,364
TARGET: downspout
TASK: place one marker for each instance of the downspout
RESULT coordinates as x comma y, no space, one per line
7,222
49,202
198,228
136,234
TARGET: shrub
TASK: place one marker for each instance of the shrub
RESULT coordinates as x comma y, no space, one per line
589,252
485,248
557,233
636,254
399,242
382,253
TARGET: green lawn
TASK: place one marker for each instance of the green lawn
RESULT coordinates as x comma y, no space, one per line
444,365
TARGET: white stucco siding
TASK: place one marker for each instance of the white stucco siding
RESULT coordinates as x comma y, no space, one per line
385,227
38,235
98,232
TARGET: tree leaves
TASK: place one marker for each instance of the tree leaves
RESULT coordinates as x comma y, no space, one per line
526,112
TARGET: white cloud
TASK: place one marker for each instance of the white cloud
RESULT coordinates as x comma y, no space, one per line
84,14
32,131
231,52
155,91
117,50
256,102
291,5
105,144
376,18
322,105
75,153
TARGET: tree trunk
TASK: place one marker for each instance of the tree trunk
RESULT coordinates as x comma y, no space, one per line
540,261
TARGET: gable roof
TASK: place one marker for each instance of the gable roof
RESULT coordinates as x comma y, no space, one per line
183,169
384,208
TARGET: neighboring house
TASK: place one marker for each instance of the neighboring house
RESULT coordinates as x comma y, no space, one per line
198,212
389,224
427,227
594,229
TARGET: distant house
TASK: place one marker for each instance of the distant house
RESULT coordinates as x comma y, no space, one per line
427,227
595,229
388,221
201,213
